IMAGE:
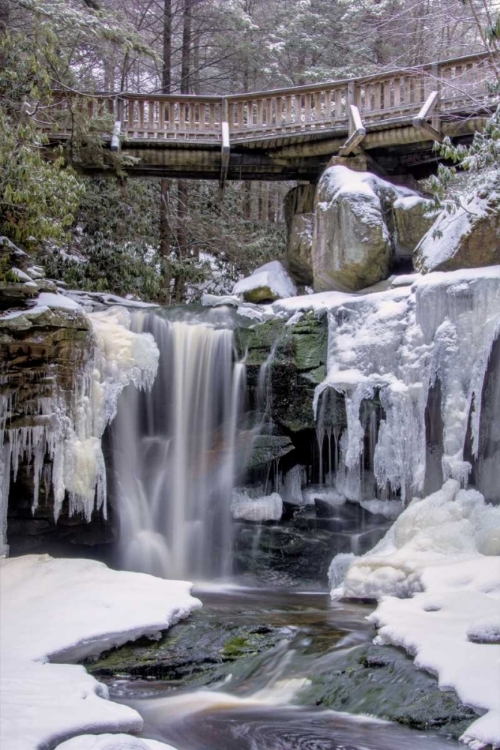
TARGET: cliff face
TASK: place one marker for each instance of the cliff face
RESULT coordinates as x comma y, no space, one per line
43,355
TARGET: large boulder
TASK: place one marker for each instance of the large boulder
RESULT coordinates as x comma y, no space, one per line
299,217
299,249
351,244
469,237
363,224
412,216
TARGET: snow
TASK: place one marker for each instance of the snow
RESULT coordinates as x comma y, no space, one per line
405,279
344,181
449,523
112,742
214,300
321,301
103,298
271,275
268,508
49,299
436,574
407,202
66,610
433,626
21,275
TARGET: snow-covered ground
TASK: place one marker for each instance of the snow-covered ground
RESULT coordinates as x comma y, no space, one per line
62,611
436,574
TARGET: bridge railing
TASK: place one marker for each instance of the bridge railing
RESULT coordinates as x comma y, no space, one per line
464,84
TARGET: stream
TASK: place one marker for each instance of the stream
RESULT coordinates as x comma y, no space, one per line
256,668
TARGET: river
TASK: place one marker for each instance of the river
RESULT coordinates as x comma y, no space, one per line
266,700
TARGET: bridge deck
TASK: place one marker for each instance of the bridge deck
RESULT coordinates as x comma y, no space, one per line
288,133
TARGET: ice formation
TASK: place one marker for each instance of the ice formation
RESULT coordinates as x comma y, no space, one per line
450,523
396,345
68,428
268,508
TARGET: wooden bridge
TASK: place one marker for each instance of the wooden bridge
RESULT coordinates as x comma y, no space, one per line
290,134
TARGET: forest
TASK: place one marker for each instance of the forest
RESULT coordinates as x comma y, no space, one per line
171,240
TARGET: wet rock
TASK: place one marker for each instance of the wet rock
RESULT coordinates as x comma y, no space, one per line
267,448
298,364
191,651
383,682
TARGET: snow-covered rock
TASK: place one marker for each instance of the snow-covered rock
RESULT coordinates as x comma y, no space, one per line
246,508
449,523
266,284
352,245
65,610
437,574
469,237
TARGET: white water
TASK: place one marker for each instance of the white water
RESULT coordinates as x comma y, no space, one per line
175,454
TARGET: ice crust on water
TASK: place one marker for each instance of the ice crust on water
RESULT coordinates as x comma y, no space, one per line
112,742
268,508
66,610
397,343
437,576
69,427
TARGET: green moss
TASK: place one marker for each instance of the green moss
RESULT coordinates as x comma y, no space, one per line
234,647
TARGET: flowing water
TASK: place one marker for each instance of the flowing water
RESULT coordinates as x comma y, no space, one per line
174,453
266,701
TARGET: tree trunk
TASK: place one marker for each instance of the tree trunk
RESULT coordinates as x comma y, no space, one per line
186,48
165,227
4,16
182,188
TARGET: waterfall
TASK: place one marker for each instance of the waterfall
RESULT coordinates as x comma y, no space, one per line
175,454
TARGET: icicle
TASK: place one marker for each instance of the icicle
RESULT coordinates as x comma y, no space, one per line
398,343
67,429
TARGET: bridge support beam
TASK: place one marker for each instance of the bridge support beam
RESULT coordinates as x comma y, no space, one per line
420,121
357,131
